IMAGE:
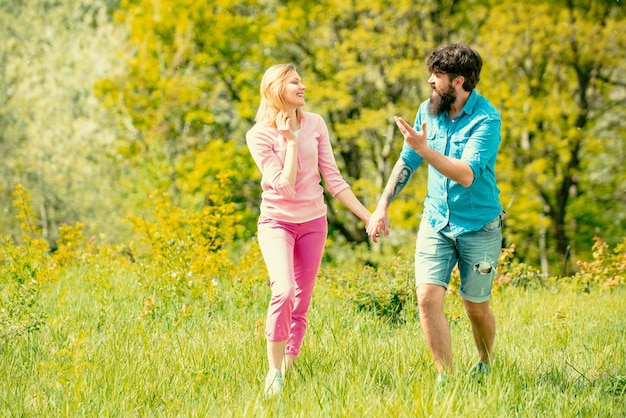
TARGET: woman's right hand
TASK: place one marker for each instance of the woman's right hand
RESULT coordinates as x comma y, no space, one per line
283,121
378,224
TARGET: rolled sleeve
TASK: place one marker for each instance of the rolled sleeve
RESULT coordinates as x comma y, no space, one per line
473,136
482,146
410,157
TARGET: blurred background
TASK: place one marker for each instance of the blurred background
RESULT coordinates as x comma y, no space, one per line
104,102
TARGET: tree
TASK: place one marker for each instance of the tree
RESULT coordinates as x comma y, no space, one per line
182,77
53,133
558,93
187,92
365,63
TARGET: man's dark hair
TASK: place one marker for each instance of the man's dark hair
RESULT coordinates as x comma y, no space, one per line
456,60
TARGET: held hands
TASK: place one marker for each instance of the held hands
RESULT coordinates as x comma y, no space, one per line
378,224
283,121
414,139
379,221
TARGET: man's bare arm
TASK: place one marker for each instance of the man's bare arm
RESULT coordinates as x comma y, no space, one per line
379,221
399,177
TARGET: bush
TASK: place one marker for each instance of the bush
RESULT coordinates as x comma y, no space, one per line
187,251
606,271
23,268
385,291
513,273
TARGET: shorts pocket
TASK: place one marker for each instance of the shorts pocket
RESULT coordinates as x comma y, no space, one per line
493,225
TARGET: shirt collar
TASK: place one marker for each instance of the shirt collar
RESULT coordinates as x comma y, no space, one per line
471,102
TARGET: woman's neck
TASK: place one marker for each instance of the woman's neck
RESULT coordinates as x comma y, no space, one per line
294,123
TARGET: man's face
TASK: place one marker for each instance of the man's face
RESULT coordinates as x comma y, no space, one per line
443,94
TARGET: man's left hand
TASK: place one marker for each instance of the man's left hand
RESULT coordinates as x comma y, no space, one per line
414,139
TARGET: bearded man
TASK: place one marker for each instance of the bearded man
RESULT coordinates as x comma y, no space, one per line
457,133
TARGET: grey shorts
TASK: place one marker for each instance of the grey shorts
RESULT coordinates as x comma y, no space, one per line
476,253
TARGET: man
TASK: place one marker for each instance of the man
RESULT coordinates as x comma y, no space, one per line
457,133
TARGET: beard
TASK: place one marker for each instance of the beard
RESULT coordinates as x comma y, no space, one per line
441,102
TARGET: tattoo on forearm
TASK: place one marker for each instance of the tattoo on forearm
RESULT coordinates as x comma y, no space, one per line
400,176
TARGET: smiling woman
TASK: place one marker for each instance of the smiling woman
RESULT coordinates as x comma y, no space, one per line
291,148
294,93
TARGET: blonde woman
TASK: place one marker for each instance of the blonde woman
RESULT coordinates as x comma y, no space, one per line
292,147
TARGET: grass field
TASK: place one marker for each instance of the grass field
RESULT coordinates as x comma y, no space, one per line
105,350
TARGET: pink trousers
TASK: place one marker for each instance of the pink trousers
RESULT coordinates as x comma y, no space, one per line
293,254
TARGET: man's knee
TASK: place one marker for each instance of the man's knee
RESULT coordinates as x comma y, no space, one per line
477,311
430,297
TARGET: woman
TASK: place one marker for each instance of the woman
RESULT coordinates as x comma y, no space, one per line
291,147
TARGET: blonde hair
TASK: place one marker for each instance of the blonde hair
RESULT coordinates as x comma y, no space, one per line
272,100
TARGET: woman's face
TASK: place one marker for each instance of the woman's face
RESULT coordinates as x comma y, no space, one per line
293,91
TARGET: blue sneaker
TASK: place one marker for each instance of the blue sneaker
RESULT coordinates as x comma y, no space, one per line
480,370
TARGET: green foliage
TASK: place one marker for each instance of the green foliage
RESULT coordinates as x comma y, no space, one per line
109,100
187,251
54,135
188,84
101,330
553,85
607,269
185,102
95,355
363,63
386,291
23,269
29,224
70,244
28,265
513,273
249,281
223,172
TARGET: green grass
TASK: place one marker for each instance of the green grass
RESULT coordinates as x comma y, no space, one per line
558,354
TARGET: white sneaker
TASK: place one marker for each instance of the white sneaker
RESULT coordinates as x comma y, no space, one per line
273,383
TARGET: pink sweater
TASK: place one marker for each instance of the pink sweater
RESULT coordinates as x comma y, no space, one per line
306,202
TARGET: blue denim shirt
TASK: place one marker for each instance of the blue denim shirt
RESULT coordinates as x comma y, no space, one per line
472,136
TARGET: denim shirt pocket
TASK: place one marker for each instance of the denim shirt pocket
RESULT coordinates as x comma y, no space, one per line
436,141
457,144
